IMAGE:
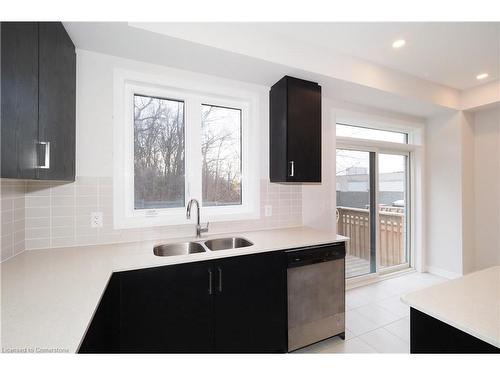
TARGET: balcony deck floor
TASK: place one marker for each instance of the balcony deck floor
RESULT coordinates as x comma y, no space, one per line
355,266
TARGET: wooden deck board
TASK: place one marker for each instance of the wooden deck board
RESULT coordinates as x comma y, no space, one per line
355,266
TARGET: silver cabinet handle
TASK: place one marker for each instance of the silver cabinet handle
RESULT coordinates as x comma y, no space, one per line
209,281
292,168
46,159
220,278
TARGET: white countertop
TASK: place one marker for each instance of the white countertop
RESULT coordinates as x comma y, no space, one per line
470,303
49,296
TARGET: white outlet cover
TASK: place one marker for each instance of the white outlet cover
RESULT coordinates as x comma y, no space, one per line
268,210
96,220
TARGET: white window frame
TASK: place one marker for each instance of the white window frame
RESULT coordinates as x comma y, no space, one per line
193,93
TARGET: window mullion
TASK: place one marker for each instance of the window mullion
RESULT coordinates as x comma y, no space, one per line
193,148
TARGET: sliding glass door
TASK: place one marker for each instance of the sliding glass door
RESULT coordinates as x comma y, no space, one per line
372,209
393,210
354,179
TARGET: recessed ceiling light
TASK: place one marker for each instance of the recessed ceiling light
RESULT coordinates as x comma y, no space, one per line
398,43
482,76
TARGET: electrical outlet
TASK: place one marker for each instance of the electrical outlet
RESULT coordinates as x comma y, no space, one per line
268,210
96,219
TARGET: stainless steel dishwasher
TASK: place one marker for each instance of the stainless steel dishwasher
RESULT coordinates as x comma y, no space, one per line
316,294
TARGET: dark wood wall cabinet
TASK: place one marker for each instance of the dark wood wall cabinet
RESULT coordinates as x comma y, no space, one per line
38,74
229,305
295,131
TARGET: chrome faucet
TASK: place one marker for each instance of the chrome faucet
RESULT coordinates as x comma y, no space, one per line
199,228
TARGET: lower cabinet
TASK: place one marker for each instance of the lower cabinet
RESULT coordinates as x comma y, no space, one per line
429,335
229,305
166,310
250,311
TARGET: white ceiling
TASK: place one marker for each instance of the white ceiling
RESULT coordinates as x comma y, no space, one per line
450,54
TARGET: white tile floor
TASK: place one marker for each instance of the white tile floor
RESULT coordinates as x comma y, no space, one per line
376,319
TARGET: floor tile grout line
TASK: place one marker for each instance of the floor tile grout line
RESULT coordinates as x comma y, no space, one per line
379,327
344,341
390,333
385,310
374,329
395,334
371,320
371,330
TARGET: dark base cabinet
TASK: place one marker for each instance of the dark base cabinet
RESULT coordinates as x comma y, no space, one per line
166,310
231,305
430,335
250,313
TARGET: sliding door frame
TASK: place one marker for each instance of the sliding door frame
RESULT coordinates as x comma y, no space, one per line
373,214
375,148
408,215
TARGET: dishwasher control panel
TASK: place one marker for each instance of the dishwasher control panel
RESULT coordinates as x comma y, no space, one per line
316,254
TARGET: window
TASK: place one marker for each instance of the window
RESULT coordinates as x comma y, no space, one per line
343,130
191,141
221,155
158,152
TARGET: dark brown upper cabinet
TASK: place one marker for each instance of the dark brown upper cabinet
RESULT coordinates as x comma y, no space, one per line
38,101
295,131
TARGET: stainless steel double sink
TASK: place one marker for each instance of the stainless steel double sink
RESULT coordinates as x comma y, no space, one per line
192,247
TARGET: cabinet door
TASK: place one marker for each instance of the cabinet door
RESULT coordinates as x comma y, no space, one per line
250,304
278,169
56,116
304,131
166,310
19,99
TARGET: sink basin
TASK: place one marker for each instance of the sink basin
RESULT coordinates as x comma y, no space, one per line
227,243
181,248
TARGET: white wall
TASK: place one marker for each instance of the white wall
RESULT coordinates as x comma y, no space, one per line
463,192
444,195
487,188
468,187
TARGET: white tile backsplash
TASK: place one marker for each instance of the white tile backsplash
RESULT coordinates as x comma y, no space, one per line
12,230
58,214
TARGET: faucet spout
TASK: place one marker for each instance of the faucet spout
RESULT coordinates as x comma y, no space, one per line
199,228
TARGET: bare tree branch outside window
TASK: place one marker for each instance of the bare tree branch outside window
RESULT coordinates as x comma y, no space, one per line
221,155
158,152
